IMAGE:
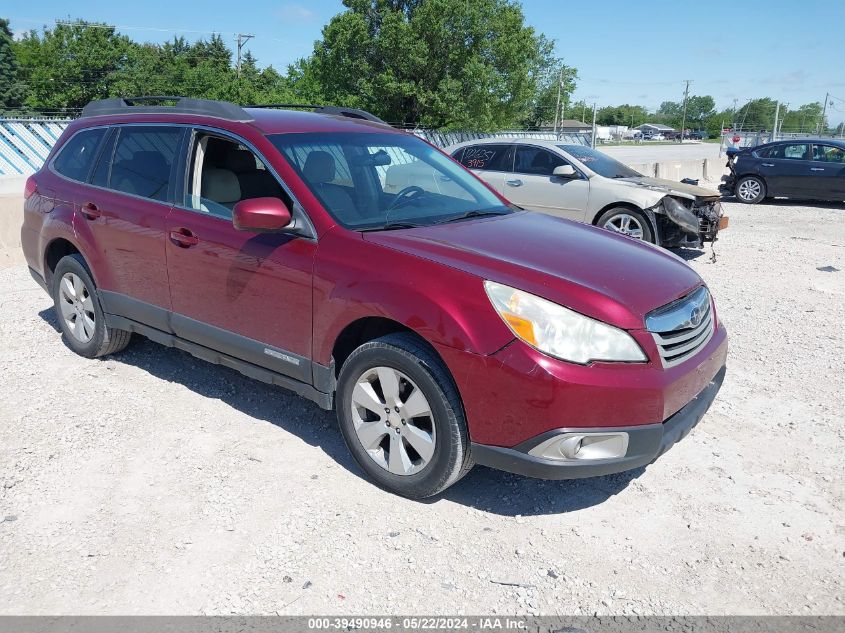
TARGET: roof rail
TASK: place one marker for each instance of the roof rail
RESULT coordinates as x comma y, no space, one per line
182,105
351,113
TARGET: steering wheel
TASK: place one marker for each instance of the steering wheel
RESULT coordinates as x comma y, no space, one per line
404,196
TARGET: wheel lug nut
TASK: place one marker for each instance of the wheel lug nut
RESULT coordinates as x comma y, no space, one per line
397,429
396,409
403,421
386,410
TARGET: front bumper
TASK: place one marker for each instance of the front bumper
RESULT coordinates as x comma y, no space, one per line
645,444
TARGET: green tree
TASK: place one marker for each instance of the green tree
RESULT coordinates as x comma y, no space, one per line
756,115
438,63
69,65
625,114
699,108
805,118
543,105
12,89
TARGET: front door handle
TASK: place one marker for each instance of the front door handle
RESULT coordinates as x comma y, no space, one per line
183,238
90,211
514,183
816,168
768,164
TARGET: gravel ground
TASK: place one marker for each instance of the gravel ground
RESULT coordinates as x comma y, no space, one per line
152,482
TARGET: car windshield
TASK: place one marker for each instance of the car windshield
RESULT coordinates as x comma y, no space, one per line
600,163
372,181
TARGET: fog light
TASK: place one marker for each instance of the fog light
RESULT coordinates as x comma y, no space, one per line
582,446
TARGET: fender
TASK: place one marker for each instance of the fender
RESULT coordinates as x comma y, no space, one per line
443,309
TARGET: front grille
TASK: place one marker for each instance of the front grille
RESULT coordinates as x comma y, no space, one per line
682,327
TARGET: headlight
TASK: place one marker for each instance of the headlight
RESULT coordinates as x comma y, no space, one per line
680,215
558,331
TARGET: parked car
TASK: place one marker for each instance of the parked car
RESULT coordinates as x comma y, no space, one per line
656,137
444,326
808,169
583,184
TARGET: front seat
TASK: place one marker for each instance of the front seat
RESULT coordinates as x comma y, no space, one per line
254,182
319,172
220,186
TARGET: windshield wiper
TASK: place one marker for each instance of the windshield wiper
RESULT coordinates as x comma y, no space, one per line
390,226
478,213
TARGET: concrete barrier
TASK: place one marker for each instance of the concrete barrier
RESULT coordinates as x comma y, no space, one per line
707,169
11,218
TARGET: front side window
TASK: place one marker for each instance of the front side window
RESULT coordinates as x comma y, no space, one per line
76,158
223,172
828,154
373,181
600,163
143,159
536,161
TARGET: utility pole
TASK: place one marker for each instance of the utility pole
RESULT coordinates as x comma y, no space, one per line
243,38
777,114
684,120
594,125
824,112
557,107
734,114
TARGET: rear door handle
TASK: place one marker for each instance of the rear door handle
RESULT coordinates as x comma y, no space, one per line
816,168
514,183
90,211
183,238
768,164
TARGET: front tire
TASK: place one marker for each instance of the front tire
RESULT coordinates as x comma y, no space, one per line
750,190
628,222
79,312
401,416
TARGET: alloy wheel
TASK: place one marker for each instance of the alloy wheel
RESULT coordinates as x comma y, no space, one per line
393,420
625,224
749,190
77,307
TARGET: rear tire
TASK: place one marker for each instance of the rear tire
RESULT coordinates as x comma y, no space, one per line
401,416
750,190
628,222
79,312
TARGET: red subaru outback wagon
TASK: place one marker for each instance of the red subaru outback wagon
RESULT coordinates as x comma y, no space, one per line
444,325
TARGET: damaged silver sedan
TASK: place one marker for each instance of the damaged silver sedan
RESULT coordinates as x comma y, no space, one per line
583,184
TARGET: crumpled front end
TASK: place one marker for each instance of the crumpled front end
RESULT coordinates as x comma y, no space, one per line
688,222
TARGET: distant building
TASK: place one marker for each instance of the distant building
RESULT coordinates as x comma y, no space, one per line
573,126
568,126
654,128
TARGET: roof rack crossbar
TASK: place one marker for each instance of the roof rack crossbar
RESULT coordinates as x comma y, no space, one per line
352,113
183,105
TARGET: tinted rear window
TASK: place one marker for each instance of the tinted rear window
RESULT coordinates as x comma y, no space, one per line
77,156
143,158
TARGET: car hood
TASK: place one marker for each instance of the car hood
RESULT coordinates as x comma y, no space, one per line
670,187
590,270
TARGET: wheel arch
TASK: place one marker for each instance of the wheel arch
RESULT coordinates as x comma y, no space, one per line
54,251
366,329
622,204
649,215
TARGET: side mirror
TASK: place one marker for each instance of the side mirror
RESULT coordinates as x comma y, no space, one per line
261,215
565,171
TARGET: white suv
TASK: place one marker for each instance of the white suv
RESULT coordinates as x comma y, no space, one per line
583,184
